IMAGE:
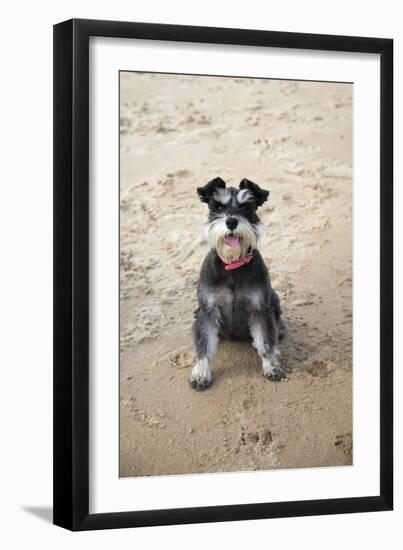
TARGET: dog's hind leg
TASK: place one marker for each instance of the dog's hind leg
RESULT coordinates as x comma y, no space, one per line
281,326
205,340
263,329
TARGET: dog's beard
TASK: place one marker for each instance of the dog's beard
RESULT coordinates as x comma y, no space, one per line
217,235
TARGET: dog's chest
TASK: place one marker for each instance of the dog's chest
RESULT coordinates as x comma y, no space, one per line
234,305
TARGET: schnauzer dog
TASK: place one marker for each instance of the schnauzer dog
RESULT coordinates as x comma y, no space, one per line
235,296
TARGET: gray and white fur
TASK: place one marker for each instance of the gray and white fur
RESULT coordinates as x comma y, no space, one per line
238,303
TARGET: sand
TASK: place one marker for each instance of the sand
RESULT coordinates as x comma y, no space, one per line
295,139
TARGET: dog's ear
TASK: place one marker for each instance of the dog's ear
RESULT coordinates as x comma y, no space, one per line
205,193
260,195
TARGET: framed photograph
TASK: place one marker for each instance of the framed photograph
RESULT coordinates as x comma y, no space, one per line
223,236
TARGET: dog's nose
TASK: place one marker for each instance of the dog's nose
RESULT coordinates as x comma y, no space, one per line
231,223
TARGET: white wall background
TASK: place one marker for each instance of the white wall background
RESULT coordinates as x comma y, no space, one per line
26,280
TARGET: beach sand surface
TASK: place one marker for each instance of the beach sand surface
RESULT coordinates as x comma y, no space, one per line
294,139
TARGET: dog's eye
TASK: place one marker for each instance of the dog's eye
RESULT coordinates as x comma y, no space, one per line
218,206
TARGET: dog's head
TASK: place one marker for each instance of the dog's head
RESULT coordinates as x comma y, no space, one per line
233,226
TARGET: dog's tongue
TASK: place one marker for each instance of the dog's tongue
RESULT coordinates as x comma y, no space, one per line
231,241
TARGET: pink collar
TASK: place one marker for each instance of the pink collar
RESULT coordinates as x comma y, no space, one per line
234,264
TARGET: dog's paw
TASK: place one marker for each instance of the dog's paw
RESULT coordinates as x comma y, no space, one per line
275,373
200,379
200,384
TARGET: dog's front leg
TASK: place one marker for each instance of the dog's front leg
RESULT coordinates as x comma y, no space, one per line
205,339
264,334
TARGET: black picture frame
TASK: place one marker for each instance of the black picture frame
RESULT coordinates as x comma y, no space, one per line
71,274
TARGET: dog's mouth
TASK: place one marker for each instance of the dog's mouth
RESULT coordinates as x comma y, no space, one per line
232,240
